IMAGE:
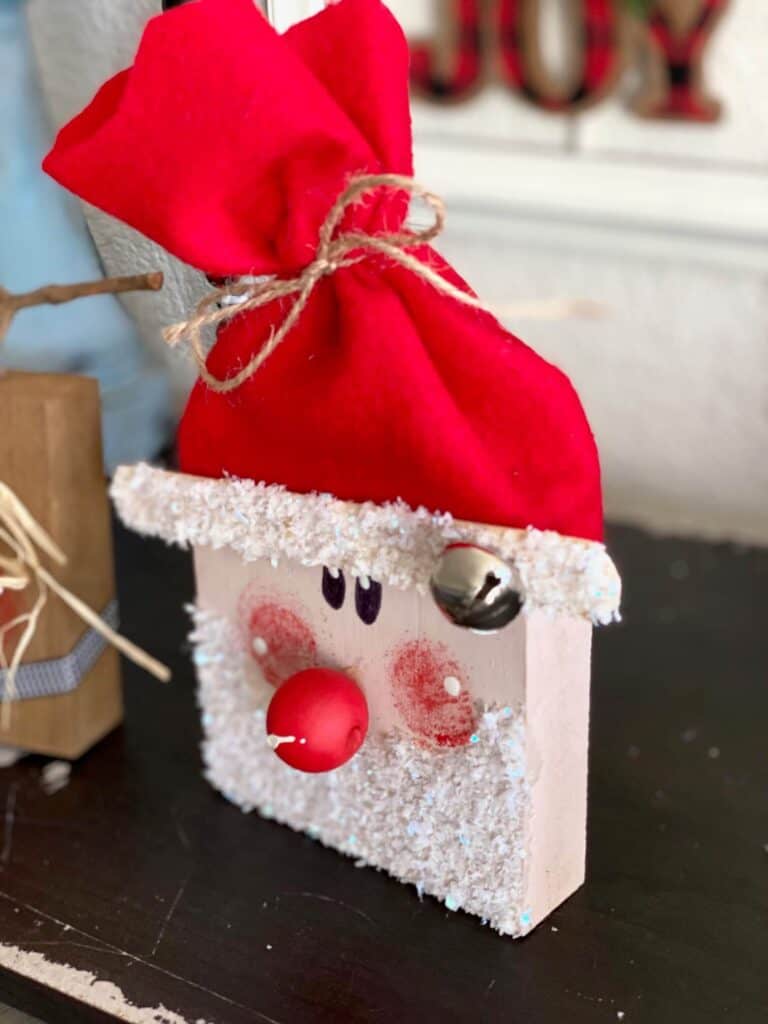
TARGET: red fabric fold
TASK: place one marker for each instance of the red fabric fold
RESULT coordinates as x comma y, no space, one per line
228,144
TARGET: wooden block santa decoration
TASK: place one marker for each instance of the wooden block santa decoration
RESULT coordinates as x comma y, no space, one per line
393,503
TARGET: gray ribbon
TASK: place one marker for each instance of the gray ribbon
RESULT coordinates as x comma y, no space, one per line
60,675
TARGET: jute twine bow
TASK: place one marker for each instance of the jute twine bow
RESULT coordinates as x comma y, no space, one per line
25,538
335,250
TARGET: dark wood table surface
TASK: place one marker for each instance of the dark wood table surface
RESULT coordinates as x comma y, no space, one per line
140,873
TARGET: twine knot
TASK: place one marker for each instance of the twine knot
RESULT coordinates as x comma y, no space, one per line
337,249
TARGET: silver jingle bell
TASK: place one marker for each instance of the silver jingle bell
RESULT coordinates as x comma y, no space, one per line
473,588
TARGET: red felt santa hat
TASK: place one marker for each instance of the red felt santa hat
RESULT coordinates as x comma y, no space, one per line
386,396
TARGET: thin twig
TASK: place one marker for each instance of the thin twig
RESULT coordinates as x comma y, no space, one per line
55,294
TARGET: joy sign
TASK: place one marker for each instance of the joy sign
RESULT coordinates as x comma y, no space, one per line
479,41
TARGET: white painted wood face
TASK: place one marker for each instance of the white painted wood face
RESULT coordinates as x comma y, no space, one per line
495,826
287,624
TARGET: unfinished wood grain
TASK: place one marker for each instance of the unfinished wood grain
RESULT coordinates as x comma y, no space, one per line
51,457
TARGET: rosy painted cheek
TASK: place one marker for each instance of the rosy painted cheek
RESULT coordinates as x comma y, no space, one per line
279,639
430,693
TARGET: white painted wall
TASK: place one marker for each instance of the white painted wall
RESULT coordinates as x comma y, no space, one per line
667,224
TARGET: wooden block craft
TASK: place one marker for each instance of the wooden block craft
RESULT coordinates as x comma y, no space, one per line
471,781
68,689
394,504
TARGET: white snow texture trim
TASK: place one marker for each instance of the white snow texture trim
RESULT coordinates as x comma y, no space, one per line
453,823
391,543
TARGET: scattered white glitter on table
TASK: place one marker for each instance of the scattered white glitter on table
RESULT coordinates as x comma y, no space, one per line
55,776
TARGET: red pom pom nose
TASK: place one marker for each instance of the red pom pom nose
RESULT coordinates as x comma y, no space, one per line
317,720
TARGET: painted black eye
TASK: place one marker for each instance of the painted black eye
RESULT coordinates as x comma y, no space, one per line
367,599
168,4
334,587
